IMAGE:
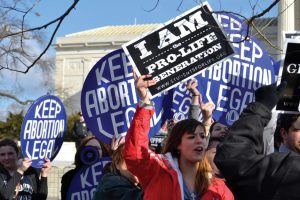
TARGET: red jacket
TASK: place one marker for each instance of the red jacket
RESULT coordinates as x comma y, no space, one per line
159,175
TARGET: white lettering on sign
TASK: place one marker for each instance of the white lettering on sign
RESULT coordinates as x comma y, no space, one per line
44,129
293,68
119,118
84,194
115,96
184,51
187,63
41,149
229,71
47,109
94,171
229,22
117,72
183,27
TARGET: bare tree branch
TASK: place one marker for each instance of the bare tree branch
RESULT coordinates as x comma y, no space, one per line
29,61
154,7
3,94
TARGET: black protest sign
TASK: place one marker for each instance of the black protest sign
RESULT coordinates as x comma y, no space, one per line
291,74
180,49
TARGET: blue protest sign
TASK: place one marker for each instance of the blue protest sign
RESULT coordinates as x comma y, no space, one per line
109,98
85,181
231,84
43,129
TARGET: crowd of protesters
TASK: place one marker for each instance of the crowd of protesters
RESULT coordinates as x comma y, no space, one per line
197,160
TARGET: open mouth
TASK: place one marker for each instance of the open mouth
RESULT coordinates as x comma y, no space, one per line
199,149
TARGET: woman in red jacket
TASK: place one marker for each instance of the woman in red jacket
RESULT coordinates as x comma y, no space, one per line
183,172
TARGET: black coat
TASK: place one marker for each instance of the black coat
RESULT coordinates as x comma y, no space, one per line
250,174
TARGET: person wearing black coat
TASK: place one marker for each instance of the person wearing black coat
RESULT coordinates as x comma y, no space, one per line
250,174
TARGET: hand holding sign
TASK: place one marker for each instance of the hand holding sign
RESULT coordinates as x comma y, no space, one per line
46,167
142,83
269,95
23,165
192,87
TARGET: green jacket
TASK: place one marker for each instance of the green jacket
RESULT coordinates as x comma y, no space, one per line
114,186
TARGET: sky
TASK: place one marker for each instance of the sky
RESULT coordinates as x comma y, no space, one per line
90,14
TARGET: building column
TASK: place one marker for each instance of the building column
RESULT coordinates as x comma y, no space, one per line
297,15
286,20
59,74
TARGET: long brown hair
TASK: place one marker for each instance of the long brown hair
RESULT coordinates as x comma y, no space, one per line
84,141
117,158
174,139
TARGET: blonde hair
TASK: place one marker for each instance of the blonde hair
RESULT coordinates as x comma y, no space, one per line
203,176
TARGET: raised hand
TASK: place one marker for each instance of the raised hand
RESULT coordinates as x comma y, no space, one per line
142,83
269,95
192,85
206,109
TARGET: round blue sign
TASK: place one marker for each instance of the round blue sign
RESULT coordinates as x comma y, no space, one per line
43,130
86,179
231,84
109,98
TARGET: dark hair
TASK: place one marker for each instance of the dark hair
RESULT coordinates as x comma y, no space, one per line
213,139
104,147
212,126
9,142
286,120
203,176
176,133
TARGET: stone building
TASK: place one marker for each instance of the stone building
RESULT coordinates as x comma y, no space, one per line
77,53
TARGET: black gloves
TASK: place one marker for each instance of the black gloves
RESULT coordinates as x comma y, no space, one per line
269,95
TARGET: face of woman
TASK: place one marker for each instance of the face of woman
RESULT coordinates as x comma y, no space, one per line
8,157
95,143
219,130
193,145
211,152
